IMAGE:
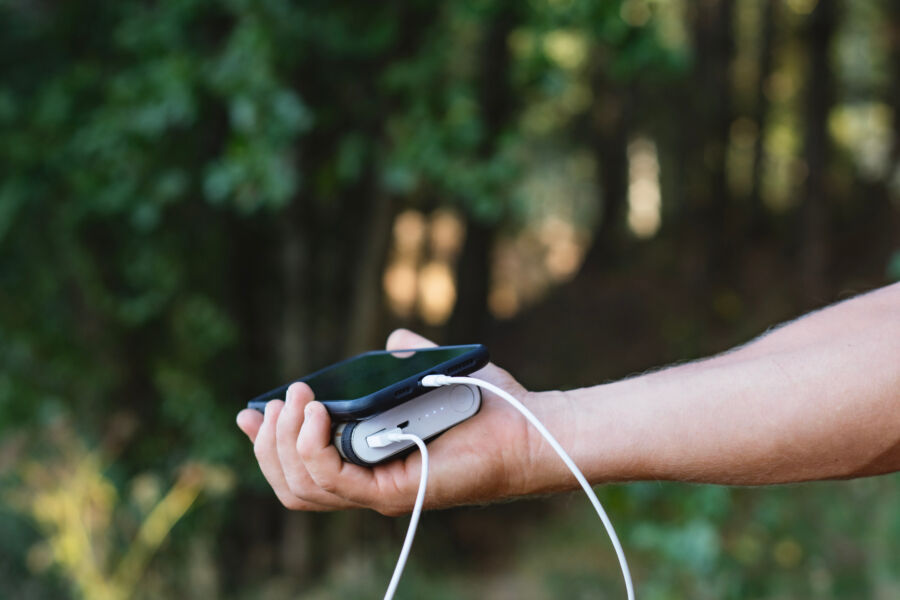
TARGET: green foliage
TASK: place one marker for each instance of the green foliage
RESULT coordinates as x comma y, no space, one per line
172,172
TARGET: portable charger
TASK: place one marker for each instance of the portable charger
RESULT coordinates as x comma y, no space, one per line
425,416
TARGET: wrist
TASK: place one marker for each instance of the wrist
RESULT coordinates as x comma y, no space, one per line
541,468
599,427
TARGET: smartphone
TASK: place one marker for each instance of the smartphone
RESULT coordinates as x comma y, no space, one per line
373,382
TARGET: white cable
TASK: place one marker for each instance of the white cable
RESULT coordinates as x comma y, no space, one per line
379,440
439,380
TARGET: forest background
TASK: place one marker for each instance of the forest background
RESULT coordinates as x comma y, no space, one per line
200,200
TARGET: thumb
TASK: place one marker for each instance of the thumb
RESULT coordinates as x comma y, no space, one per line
403,339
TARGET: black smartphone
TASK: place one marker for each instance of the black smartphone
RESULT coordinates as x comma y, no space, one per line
373,382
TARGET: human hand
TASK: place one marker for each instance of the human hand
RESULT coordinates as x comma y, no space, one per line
487,457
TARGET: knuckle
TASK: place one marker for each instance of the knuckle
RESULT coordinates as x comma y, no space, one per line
305,495
306,452
391,510
327,484
298,489
323,481
291,502
294,504
295,489
280,428
259,450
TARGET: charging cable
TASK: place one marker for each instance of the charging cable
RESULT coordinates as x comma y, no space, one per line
380,440
384,438
439,380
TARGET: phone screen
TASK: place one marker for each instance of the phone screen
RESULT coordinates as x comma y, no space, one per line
368,373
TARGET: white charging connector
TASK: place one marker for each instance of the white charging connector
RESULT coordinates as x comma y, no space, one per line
439,380
383,438
386,438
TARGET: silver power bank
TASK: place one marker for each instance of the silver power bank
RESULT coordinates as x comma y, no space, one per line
425,416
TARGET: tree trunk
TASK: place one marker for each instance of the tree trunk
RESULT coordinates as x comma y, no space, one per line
819,100
367,299
891,193
714,214
294,334
702,226
758,213
470,320
609,129
894,85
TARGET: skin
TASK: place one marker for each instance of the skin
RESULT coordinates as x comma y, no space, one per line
818,398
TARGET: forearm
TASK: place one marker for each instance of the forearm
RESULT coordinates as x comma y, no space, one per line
816,399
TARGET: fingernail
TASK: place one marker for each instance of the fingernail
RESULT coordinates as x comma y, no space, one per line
308,411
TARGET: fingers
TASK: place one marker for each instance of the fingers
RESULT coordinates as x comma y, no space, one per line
287,430
269,464
401,339
275,437
300,463
332,474
290,419
249,421
293,445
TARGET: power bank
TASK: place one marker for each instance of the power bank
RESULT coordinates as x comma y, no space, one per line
425,416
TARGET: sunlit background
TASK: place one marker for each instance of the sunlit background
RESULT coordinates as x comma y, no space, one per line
201,200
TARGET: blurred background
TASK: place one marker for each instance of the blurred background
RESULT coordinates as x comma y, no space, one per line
201,200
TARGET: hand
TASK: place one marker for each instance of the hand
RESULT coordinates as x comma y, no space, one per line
487,457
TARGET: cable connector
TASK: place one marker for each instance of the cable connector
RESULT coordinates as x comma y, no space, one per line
436,380
385,437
